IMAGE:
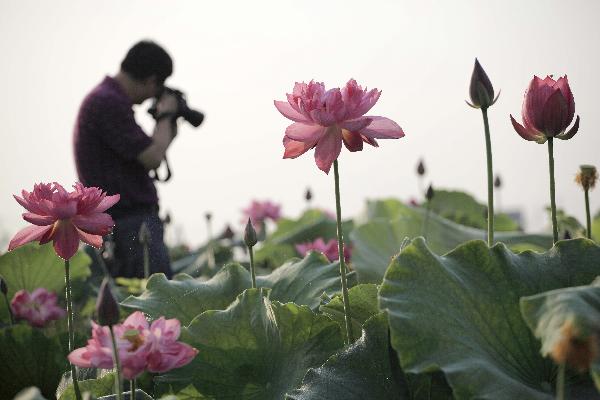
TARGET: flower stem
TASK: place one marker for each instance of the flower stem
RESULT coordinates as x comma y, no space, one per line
117,363
552,189
132,386
560,382
252,272
146,260
490,179
71,328
587,214
11,317
340,237
426,219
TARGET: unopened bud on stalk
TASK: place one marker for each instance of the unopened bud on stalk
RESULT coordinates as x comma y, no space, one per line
3,286
587,177
107,307
145,236
208,216
430,193
567,235
421,168
227,233
498,182
250,235
308,195
481,90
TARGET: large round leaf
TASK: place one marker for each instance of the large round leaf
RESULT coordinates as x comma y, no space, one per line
30,358
301,281
362,371
460,313
311,225
32,266
256,349
185,297
378,240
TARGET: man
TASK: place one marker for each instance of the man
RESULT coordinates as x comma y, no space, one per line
112,152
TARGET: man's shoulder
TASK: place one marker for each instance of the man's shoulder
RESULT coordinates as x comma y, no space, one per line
105,96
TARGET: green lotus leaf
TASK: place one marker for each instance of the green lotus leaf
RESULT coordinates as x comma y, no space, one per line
459,313
378,240
564,316
30,358
310,226
271,255
301,281
185,297
32,266
102,386
463,209
363,305
255,349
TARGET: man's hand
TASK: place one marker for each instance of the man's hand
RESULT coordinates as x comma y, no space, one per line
167,103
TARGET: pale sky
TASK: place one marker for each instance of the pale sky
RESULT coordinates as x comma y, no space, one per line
233,58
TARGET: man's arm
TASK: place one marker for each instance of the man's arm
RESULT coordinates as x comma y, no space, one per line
164,133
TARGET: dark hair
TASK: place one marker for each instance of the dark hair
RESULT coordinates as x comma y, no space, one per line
145,59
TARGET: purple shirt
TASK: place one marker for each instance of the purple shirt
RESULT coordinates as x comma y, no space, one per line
107,141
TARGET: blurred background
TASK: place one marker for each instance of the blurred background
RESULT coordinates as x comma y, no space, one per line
233,58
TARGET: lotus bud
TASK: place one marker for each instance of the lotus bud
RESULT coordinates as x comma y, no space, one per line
587,177
567,235
107,307
421,168
497,182
481,90
208,216
250,235
308,195
430,193
145,237
227,233
3,287
167,219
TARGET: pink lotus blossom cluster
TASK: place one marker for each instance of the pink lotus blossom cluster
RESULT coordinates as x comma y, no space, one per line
141,346
324,119
260,211
64,217
329,249
37,308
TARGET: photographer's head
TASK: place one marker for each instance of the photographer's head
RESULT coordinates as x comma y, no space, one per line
144,71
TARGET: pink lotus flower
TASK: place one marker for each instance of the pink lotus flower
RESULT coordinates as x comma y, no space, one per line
260,211
324,119
548,109
37,308
64,217
141,346
329,249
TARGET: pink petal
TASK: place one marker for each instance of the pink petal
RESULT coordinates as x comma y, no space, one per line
535,98
294,148
63,209
40,220
328,149
88,238
571,132
305,133
80,358
554,115
288,111
96,224
66,240
29,234
356,125
563,84
523,132
382,128
352,141
107,203
136,320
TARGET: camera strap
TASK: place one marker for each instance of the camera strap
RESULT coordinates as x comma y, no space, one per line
154,173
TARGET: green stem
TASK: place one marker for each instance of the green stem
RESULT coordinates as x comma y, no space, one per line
146,260
70,327
340,237
132,386
560,382
490,179
117,363
552,189
426,219
587,214
11,317
250,249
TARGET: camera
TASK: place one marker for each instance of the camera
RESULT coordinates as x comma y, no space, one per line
194,117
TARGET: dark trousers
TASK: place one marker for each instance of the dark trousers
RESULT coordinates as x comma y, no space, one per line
128,253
